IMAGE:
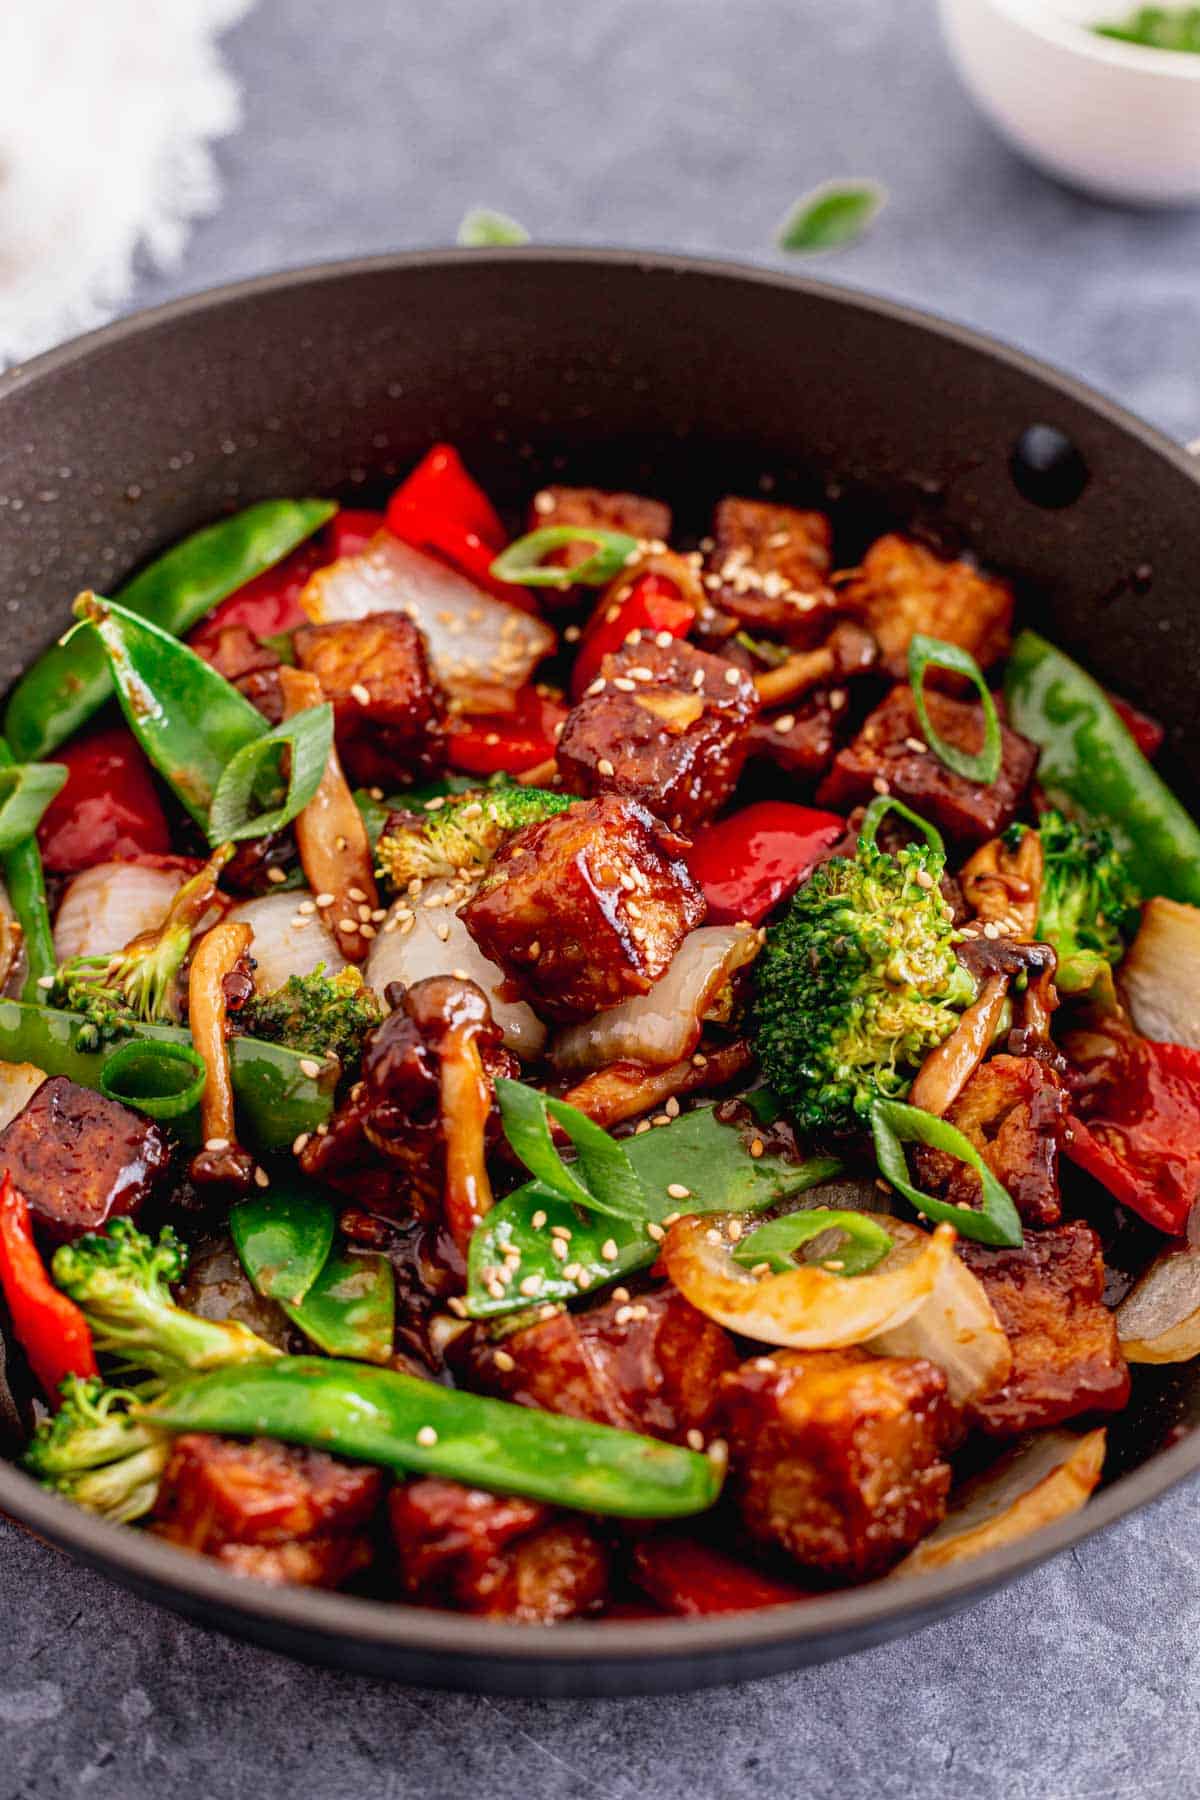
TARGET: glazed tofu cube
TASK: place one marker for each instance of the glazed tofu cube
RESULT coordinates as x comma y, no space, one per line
1014,1110
249,664
663,724
268,1509
1049,1297
769,568
902,588
586,908
493,1554
81,1160
650,1365
837,1456
890,756
388,711
802,739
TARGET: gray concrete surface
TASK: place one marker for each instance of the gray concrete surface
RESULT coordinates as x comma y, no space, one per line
686,124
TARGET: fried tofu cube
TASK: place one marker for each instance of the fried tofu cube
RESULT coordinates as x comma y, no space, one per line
249,664
647,520
494,1554
1014,1110
769,568
890,756
803,739
664,724
80,1159
902,588
652,1365
1067,1360
837,1456
268,1509
388,710
586,908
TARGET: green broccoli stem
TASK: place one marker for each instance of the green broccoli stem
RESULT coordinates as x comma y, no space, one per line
124,1491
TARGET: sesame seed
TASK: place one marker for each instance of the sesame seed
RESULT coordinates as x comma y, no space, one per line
572,634
698,679
881,785
756,1147
341,843
46,981
348,925
273,875
504,1362
656,1232
671,1108
623,1315
735,1230
535,950
309,1067
785,723
361,694
596,687
427,1437
355,893
764,1365
261,1178
761,1269
532,1284
641,1126
624,684
605,767
558,1249
561,1231
664,640
835,1263
924,878
369,931
609,1251
436,804
460,974
672,1219
457,1305
217,1143
538,1220
634,637
300,1143
324,900
732,676
677,1191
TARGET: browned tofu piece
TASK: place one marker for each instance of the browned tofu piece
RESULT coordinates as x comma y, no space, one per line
268,1509
634,514
664,724
890,756
1066,1357
649,1365
388,710
1014,1110
837,1456
494,1554
586,908
249,664
902,588
769,568
801,739
79,1159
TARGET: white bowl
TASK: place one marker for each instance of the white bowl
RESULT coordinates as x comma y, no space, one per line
1119,120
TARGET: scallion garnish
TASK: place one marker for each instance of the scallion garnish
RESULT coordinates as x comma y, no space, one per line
523,562
610,1183
251,798
867,1243
934,653
162,1080
26,790
886,803
995,1221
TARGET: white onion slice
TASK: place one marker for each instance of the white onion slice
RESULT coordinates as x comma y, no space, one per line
956,1328
808,1308
663,1025
106,907
482,650
1041,1480
286,941
18,1084
1160,977
12,946
412,955
1159,1319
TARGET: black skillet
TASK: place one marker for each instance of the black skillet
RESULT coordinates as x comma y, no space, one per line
682,379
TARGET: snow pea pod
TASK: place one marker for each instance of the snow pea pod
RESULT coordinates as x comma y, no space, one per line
188,719
350,1309
696,1164
1092,769
62,690
283,1238
277,1100
403,1423
26,886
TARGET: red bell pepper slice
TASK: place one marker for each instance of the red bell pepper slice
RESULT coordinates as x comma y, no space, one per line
350,531
108,808
653,603
690,1578
1140,1137
51,1328
506,742
440,487
750,861
1146,732
269,604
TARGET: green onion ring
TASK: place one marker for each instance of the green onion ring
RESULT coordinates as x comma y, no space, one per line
886,803
162,1080
26,790
934,653
868,1242
893,1125
522,561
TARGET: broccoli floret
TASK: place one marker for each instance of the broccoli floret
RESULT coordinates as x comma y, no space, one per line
1089,906
317,1014
140,982
121,1280
857,984
96,1452
459,835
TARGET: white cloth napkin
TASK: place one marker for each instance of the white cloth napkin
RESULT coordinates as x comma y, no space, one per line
107,111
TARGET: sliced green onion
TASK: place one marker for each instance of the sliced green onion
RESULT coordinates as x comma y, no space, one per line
610,1183
765,649
893,1125
26,790
162,1080
934,653
482,227
828,216
522,562
886,803
238,810
868,1243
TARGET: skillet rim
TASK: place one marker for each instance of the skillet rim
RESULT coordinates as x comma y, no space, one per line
872,1611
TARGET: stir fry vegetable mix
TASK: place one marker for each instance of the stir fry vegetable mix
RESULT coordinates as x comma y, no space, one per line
639,1086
